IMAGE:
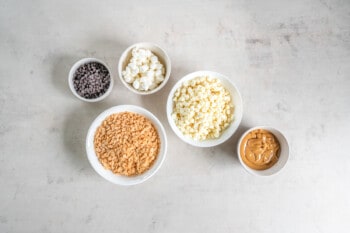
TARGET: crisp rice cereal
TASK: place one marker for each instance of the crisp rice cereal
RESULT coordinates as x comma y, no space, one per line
127,143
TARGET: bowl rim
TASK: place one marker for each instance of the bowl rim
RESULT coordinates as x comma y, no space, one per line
79,63
109,175
167,65
261,173
209,142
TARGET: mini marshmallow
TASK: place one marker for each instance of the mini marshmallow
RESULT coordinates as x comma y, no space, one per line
132,66
129,78
159,66
153,66
158,73
150,74
148,53
145,83
136,84
154,59
144,70
159,79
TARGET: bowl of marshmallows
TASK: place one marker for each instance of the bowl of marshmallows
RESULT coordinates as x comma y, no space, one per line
144,68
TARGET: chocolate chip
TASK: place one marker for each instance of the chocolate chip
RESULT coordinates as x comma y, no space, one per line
91,80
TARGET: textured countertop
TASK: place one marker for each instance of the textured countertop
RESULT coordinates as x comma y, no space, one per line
290,60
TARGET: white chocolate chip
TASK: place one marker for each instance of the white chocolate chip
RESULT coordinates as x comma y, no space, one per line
202,108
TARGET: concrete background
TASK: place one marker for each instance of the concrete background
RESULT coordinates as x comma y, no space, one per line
290,60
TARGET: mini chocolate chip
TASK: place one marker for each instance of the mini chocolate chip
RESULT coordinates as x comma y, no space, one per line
91,80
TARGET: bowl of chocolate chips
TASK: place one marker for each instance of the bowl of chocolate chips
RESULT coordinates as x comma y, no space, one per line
90,80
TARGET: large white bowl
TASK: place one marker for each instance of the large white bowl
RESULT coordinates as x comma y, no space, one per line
156,50
109,175
237,102
284,154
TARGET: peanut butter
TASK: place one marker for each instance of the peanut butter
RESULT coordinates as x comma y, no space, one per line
260,149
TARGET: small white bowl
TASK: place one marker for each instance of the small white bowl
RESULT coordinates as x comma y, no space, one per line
156,50
71,76
237,103
109,175
284,154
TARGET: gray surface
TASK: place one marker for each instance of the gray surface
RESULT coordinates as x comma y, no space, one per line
290,59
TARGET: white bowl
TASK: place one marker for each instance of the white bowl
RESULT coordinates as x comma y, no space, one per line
237,102
109,175
156,50
71,76
284,154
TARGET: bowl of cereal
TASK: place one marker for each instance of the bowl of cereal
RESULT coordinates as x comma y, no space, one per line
144,68
204,108
126,144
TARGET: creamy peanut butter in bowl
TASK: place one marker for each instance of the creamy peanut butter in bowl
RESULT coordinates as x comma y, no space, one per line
263,150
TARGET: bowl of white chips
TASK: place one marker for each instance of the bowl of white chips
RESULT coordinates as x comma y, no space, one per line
204,108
